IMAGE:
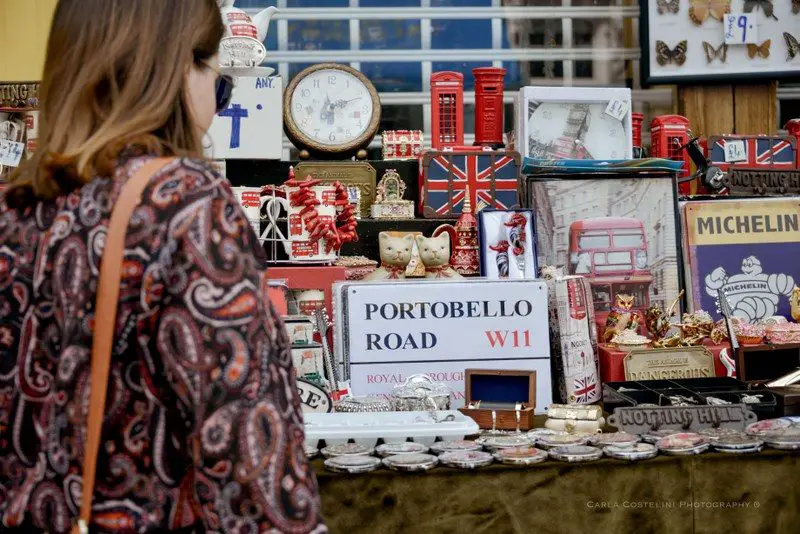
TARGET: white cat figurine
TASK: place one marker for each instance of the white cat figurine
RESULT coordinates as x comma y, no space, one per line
395,255
435,254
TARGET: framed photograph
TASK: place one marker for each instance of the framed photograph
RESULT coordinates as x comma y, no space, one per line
574,123
693,41
619,231
508,244
742,247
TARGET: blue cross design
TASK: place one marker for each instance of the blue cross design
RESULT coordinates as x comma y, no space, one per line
236,113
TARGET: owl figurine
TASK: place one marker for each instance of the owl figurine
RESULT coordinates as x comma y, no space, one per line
622,317
794,302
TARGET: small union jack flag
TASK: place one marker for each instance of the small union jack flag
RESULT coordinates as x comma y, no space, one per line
491,179
760,150
585,390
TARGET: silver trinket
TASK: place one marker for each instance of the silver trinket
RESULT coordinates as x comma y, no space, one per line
346,449
441,447
635,452
411,463
405,447
466,459
575,453
520,455
352,465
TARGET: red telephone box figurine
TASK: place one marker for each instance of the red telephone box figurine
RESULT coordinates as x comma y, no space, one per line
668,134
447,109
489,88
636,121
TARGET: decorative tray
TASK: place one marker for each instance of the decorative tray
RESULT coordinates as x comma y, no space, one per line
392,427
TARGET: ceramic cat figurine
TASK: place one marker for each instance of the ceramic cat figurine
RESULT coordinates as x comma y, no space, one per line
435,255
395,255
621,317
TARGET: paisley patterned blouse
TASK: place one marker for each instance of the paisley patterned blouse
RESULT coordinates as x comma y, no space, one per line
203,429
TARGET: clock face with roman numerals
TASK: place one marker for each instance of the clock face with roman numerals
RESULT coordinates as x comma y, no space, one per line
331,109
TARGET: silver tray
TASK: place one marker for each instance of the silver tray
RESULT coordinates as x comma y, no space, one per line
441,447
520,456
576,453
405,447
744,442
635,452
353,465
346,449
614,438
411,463
562,439
502,442
466,459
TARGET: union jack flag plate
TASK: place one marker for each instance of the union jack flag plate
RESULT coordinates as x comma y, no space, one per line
489,179
585,390
775,152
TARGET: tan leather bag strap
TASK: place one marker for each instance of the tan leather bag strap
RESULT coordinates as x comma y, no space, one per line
105,314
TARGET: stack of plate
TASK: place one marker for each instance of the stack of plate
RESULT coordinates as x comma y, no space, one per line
353,464
786,439
404,447
575,453
741,444
493,443
411,463
521,456
620,439
465,459
637,451
561,439
441,447
683,444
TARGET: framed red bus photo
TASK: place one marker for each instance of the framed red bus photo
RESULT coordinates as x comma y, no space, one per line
621,232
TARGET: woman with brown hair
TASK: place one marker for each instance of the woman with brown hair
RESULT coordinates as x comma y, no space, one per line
202,429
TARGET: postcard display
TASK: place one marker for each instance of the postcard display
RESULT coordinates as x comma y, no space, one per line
701,40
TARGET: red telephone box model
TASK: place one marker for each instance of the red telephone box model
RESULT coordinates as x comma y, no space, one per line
489,88
668,133
447,109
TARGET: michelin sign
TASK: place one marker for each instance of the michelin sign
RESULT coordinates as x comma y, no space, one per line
749,248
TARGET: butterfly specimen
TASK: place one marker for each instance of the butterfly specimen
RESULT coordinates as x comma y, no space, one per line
765,5
700,10
759,50
671,6
792,45
666,55
714,53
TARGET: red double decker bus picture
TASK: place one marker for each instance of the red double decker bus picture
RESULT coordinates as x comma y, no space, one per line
611,252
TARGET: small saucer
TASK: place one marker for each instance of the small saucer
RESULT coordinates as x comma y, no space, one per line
683,443
637,451
561,439
737,443
352,464
310,451
411,463
720,432
654,435
441,447
466,459
503,442
346,449
575,453
785,439
405,447
525,455
761,428
620,439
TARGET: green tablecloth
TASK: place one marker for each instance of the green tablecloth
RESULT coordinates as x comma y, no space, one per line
709,493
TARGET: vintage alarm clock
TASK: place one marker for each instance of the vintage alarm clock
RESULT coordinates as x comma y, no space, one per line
331,111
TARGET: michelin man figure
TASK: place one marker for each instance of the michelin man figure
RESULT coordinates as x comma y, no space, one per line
753,295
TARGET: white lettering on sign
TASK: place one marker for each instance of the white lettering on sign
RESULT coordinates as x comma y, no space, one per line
735,151
740,29
390,330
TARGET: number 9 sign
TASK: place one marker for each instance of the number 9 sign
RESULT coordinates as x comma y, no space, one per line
740,29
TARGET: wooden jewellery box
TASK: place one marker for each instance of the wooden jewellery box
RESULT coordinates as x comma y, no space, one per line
500,400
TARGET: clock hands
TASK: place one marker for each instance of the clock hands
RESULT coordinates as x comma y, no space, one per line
342,103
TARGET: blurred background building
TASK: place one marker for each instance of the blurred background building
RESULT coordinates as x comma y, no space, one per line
399,43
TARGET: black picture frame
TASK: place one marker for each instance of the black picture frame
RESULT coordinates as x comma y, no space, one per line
675,78
535,189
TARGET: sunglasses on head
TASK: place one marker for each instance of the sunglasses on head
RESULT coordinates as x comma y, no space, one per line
223,87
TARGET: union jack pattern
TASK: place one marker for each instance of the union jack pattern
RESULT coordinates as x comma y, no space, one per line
585,390
490,179
761,150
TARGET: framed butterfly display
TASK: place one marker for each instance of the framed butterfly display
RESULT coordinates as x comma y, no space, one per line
696,41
